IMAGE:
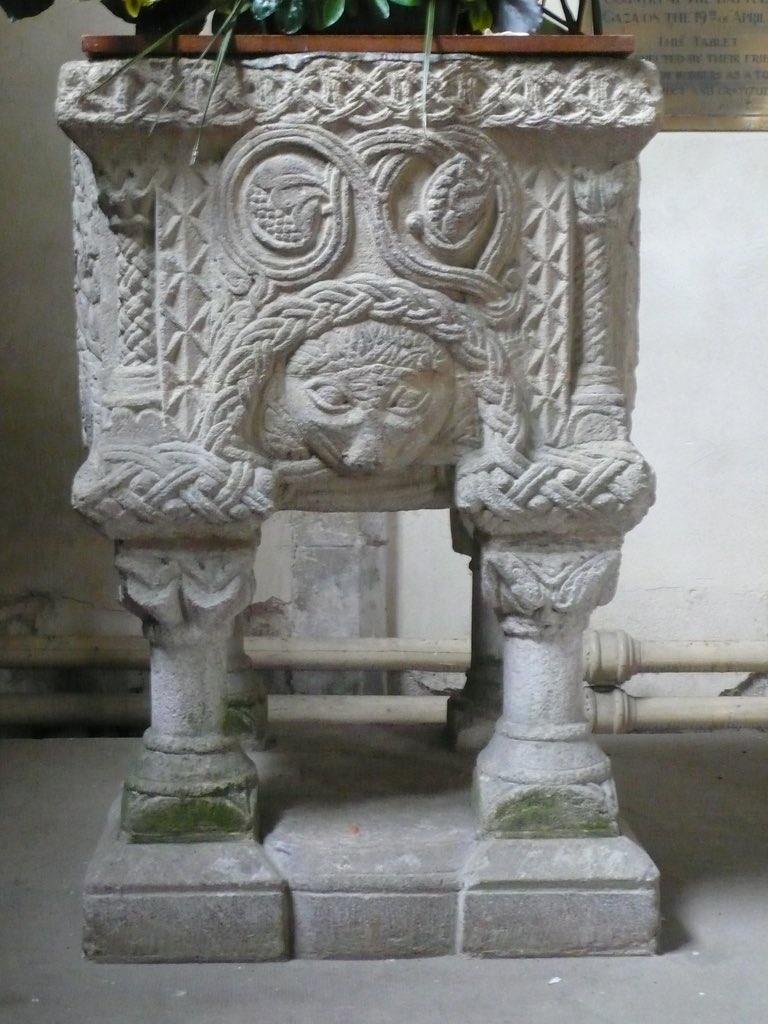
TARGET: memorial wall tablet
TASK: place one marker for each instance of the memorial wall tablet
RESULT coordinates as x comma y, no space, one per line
712,54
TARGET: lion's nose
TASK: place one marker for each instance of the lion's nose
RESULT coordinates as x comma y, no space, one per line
365,454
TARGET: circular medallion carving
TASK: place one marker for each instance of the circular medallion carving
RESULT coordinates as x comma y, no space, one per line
285,203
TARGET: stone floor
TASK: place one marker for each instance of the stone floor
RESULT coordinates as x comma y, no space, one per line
698,803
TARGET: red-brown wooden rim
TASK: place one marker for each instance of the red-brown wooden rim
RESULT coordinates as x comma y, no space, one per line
255,45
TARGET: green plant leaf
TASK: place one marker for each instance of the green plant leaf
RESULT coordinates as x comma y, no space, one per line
330,12
149,50
226,38
227,20
382,6
407,3
290,16
429,33
480,15
263,9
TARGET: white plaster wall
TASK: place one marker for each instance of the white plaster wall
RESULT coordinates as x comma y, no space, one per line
696,568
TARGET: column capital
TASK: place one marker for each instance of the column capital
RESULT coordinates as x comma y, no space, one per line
177,591
537,591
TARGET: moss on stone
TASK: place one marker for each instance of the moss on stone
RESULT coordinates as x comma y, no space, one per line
549,813
148,818
240,720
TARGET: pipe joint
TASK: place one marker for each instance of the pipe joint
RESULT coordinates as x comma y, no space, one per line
611,657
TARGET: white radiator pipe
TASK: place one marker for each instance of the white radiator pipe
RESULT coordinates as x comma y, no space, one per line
388,654
611,657
618,712
614,712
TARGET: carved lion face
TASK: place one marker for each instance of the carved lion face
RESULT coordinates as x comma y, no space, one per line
368,398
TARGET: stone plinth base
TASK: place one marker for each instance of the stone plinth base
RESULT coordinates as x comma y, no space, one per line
370,851
166,902
372,878
559,897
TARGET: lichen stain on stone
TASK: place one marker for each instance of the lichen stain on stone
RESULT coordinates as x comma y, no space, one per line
543,813
184,820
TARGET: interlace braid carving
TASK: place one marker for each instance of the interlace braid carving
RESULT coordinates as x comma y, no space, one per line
593,483
551,481
175,479
367,93
130,206
135,267
87,290
243,371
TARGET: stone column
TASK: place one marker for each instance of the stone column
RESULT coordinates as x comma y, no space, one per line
339,570
246,716
191,781
602,389
131,216
473,712
542,774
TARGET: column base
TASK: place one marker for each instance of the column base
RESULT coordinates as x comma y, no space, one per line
470,724
552,787
190,797
399,883
182,902
551,812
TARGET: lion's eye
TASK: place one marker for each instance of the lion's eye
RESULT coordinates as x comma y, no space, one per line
329,397
405,399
